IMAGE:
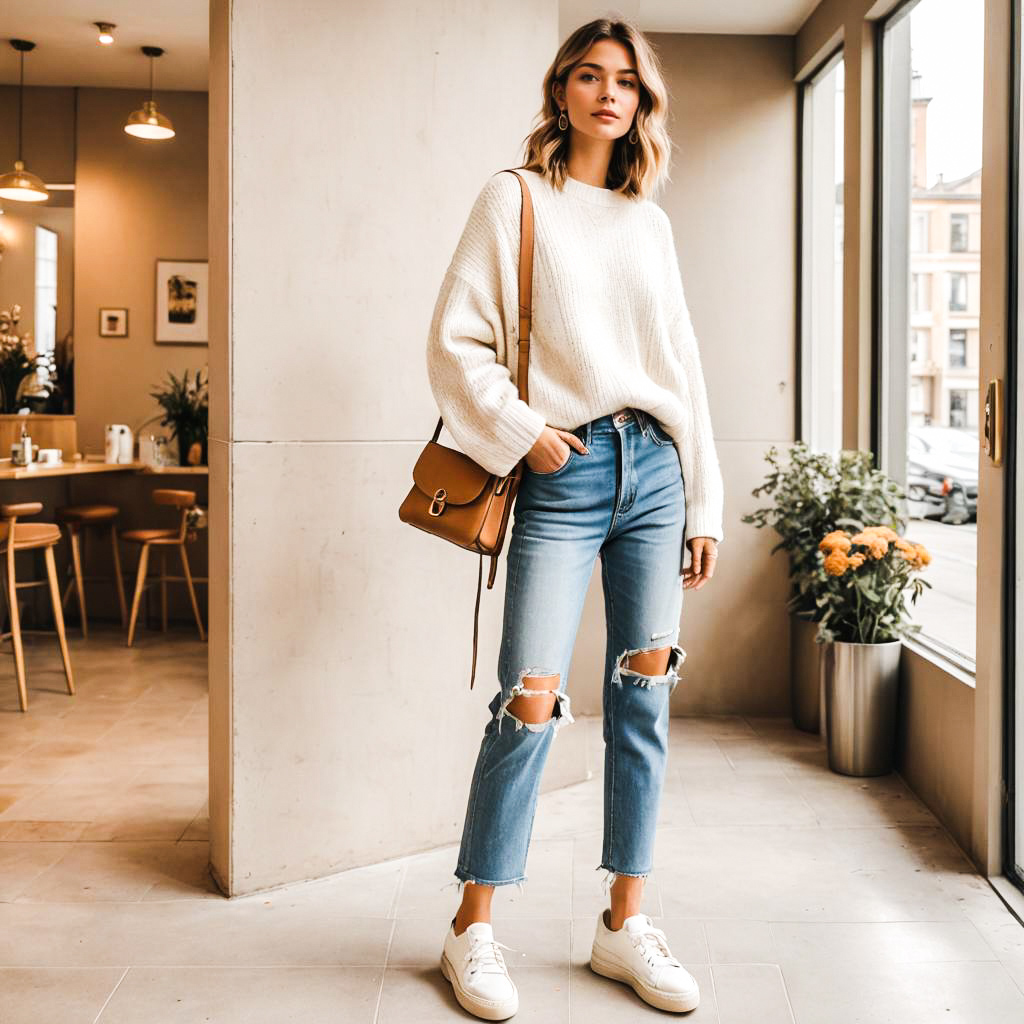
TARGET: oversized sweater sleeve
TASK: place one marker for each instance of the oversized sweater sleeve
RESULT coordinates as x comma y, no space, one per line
702,474
468,343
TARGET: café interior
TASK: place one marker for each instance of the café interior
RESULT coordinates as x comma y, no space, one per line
96,474
104,335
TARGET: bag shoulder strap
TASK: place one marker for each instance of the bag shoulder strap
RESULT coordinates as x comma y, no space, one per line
525,320
525,293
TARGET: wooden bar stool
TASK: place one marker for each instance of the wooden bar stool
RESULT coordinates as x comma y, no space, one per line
79,519
28,536
164,538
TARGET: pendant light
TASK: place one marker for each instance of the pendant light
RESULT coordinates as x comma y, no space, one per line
149,123
20,184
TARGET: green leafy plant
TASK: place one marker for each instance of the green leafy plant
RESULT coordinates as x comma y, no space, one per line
186,406
18,360
862,580
814,493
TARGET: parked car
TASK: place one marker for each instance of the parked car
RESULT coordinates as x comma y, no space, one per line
942,473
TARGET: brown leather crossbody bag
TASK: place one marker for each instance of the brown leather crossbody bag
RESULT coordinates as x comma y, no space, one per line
452,496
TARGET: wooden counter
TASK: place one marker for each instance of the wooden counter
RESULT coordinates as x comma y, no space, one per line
35,471
130,487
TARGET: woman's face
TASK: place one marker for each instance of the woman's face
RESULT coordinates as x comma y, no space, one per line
604,78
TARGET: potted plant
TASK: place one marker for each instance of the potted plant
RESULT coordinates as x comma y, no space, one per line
812,494
863,577
18,361
186,410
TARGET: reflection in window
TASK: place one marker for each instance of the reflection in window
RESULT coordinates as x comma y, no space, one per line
821,270
958,232
928,402
957,347
958,290
45,332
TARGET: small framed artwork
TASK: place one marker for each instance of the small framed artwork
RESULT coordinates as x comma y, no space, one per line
113,323
182,302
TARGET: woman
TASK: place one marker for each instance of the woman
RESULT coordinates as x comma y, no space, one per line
620,463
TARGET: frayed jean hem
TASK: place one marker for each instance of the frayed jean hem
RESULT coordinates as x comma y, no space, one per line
464,876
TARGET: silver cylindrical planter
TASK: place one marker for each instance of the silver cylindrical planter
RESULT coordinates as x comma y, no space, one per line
861,694
805,674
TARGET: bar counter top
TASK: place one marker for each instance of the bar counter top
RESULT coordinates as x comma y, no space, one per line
82,468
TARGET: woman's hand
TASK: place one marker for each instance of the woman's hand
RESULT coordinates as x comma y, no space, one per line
703,555
551,450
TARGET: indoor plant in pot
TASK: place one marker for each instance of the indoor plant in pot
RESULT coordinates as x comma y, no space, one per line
812,494
18,361
186,409
863,577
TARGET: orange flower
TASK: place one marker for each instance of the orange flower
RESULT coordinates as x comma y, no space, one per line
856,560
836,540
922,552
883,531
836,563
877,546
905,549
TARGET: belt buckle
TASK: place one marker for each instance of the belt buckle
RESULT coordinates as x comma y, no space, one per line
622,416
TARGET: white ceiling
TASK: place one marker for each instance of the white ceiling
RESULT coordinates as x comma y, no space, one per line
67,52
729,17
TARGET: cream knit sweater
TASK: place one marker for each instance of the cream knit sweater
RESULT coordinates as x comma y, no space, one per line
611,329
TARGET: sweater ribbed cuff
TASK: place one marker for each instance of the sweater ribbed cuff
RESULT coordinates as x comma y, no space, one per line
702,523
519,428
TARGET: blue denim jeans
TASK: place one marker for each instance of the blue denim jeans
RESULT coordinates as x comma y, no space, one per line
624,503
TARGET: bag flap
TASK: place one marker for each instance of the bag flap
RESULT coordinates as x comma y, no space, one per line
438,466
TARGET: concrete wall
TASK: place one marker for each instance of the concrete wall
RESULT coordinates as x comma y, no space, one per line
342,726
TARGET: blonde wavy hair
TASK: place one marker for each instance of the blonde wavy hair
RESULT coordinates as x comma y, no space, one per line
636,169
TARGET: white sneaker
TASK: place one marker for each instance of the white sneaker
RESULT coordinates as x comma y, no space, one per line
638,954
473,963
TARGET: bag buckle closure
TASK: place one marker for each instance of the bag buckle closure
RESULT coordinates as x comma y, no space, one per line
437,505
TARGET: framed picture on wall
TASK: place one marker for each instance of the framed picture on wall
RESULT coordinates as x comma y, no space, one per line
113,323
182,302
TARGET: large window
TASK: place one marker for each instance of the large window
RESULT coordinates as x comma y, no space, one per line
928,404
821,247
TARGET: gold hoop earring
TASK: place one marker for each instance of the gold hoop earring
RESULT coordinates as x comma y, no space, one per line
563,121
634,138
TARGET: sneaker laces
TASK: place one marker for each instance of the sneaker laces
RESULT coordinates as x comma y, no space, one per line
485,957
652,944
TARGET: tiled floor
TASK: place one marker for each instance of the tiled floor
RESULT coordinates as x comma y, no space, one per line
791,893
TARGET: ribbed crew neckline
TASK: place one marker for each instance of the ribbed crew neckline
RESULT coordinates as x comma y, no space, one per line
593,193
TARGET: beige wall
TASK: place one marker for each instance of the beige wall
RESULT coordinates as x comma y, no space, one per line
136,201
48,130
732,204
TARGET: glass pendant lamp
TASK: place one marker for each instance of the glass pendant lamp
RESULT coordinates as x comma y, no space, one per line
20,184
148,122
